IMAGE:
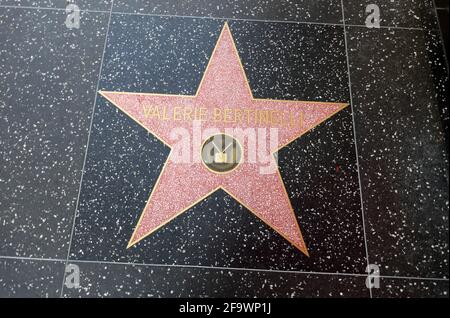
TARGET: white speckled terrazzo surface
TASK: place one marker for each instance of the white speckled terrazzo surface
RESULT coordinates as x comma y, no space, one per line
382,202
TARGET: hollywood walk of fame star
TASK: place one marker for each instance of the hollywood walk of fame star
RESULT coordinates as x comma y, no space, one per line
224,86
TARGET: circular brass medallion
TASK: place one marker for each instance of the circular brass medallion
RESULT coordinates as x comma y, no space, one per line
221,153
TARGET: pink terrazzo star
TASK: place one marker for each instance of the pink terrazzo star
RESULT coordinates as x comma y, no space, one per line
182,185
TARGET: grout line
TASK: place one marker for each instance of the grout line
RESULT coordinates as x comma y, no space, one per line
414,278
225,18
354,138
221,18
267,21
87,146
280,271
34,258
49,8
242,269
441,35
390,27
444,52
